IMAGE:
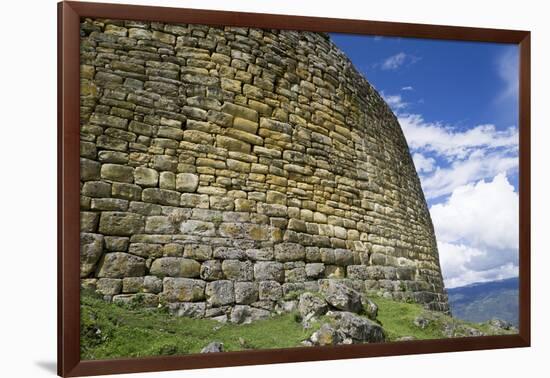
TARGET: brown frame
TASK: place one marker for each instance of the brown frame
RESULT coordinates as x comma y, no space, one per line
69,13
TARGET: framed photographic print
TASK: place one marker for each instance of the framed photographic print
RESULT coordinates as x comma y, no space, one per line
239,188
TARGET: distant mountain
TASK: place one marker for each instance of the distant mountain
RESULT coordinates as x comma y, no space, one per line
480,302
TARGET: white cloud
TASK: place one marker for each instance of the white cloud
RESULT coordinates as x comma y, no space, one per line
477,232
454,263
422,163
461,156
479,165
444,140
407,88
394,101
394,61
485,214
508,71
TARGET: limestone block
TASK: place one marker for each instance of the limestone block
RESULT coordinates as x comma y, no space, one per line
187,182
175,267
116,243
238,270
88,221
200,201
89,170
91,249
157,224
117,172
183,290
343,257
240,111
125,191
268,270
199,252
260,254
109,286
289,252
188,309
315,270
246,292
96,189
270,290
211,270
121,223
220,293
161,196
120,264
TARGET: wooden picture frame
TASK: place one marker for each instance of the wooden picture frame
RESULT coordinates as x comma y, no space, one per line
69,14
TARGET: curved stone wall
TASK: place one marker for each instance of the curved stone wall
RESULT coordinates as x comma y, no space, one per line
225,167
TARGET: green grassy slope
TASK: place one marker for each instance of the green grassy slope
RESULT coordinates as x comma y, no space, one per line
114,331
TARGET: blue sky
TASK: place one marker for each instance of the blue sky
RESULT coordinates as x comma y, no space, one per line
457,105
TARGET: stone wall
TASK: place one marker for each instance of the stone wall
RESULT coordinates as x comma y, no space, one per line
225,167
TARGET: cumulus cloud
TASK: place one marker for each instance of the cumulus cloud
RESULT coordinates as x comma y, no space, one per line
464,174
476,219
446,141
395,102
485,214
422,163
480,164
455,261
461,156
477,232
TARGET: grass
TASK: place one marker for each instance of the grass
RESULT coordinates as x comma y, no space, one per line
397,318
113,331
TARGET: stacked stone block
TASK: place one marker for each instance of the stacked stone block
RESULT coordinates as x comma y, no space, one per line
225,169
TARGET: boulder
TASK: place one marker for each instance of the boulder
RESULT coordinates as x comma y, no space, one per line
369,307
455,329
358,328
406,338
213,347
340,296
500,324
326,335
421,322
311,304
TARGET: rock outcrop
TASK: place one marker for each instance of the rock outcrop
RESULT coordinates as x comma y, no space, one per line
226,170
